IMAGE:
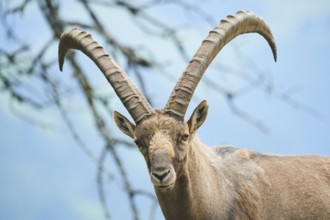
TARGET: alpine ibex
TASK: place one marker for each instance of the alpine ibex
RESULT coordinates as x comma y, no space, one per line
191,180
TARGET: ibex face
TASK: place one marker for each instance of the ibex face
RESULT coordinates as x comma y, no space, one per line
164,142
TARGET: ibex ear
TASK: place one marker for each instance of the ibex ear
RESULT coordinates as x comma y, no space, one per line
198,117
124,124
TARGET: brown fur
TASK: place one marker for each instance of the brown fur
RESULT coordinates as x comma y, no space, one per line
243,154
228,182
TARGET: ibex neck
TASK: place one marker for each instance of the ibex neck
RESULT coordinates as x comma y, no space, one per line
193,193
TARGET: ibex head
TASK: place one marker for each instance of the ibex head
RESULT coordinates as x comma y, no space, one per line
163,136
164,140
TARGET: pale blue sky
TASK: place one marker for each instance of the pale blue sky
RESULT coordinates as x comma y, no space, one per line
44,174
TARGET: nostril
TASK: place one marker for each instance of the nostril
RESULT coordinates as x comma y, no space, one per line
161,176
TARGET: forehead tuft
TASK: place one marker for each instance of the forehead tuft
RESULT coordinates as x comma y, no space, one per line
159,122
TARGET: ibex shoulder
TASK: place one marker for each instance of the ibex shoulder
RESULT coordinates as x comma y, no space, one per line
226,151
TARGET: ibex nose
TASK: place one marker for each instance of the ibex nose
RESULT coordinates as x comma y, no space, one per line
160,175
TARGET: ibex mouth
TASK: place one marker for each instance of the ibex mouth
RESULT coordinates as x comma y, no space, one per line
165,181
162,177
164,187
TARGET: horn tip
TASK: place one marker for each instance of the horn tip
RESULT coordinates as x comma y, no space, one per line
61,67
275,54
61,54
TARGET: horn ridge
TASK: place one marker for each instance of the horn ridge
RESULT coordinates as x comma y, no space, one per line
132,98
229,28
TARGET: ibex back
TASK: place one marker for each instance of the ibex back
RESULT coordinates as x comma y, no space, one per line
191,180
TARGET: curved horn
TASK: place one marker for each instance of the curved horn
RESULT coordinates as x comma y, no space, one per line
229,28
129,94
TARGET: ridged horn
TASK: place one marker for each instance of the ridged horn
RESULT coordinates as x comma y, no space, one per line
229,28
127,91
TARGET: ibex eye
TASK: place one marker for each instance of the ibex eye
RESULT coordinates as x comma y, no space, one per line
138,143
185,137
